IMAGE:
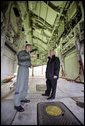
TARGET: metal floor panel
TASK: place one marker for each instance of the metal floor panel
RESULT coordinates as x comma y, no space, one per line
40,87
61,115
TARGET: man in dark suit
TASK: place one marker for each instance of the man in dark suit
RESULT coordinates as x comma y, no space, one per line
52,75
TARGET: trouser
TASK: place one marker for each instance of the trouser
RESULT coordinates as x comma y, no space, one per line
21,85
51,85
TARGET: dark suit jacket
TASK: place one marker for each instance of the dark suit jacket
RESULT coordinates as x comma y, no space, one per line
53,67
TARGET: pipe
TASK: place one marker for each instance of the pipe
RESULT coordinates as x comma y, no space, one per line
42,68
72,80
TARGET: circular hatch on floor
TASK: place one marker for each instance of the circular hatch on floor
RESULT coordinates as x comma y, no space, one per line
53,110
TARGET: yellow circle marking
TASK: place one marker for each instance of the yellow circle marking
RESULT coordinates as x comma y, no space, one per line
53,110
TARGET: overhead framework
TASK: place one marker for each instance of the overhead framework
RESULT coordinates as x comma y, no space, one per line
44,24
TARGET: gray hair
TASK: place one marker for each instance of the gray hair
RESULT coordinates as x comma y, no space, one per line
52,51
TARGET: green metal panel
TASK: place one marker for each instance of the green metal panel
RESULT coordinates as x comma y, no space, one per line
13,20
72,10
51,15
61,29
71,65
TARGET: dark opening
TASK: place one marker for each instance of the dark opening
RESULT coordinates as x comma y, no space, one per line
26,42
16,11
22,29
37,55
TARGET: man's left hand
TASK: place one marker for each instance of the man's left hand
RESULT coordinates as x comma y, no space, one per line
55,77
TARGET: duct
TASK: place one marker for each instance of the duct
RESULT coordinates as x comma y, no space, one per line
56,21
47,25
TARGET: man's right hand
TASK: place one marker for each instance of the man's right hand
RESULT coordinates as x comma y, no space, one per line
31,66
33,56
55,77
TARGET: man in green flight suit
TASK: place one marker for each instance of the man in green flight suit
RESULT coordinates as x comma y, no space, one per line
24,62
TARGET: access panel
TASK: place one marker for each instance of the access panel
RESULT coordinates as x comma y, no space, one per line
55,113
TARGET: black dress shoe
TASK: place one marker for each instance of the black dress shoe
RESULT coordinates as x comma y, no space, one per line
19,108
25,101
50,98
45,94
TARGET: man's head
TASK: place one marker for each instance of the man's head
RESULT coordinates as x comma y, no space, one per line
28,47
52,53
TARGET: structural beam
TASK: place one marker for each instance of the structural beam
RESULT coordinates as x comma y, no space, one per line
38,39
